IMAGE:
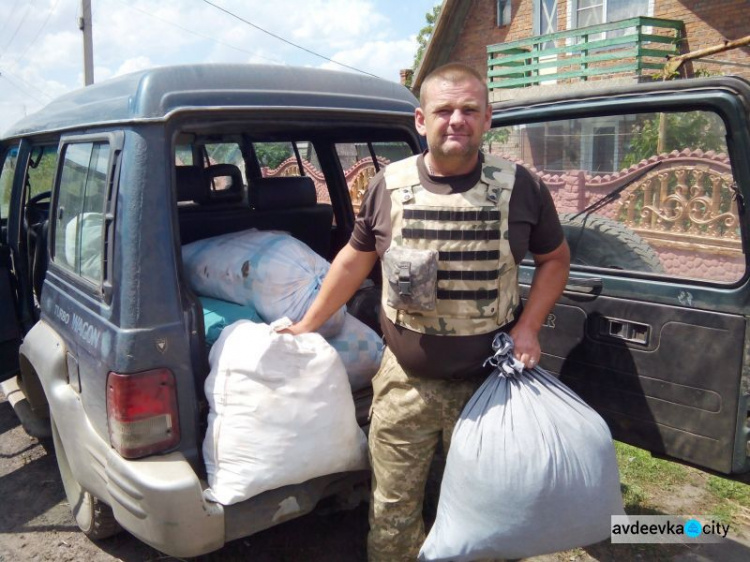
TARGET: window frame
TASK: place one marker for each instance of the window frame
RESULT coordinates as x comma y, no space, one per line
503,13
573,11
103,288
588,138
537,22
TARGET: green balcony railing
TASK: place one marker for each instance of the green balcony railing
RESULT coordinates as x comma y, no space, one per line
626,48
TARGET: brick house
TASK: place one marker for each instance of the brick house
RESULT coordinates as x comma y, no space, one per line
467,31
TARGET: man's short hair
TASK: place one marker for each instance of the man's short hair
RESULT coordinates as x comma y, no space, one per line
453,72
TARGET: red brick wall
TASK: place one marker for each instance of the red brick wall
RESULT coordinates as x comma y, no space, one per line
480,30
708,23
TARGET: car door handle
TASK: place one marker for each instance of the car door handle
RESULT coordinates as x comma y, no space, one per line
619,329
584,284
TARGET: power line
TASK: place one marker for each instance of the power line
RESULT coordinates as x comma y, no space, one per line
178,26
18,28
10,16
251,24
4,74
38,33
29,84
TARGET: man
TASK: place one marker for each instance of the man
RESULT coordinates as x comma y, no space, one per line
450,227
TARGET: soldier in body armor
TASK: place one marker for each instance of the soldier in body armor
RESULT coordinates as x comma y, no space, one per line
449,227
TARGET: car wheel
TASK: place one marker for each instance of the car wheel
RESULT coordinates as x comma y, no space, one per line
601,242
94,517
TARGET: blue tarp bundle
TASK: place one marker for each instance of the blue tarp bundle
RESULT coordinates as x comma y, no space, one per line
272,271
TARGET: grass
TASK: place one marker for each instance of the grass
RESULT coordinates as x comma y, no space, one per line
729,490
732,500
637,465
642,475
647,482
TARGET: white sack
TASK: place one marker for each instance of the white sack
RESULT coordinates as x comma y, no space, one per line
281,413
83,242
531,470
361,350
272,271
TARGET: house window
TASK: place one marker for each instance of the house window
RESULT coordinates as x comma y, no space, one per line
604,153
600,149
545,20
555,141
594,12
589,12
503,13
546,145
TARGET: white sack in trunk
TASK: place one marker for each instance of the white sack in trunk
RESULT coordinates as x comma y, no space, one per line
272,271
281,413
531,469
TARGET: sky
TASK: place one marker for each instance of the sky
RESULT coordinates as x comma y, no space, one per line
41,46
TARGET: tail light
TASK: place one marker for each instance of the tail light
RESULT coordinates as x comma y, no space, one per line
142,412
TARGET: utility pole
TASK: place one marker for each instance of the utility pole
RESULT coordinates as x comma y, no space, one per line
84,24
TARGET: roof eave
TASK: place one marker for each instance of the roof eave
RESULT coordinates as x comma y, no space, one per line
446,31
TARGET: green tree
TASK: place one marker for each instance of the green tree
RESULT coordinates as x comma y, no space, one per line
271,154
695,130
495,136
6,181
41,173
225,153
424,35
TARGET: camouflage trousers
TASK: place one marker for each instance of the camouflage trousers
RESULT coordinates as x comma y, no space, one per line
409,417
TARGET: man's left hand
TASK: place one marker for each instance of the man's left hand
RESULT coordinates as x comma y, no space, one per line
527,348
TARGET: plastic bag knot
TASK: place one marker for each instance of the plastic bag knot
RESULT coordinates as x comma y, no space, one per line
503,359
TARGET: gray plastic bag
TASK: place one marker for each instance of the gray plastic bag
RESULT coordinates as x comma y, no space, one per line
531,470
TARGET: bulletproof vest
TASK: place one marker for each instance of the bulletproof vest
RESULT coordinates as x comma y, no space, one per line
449,269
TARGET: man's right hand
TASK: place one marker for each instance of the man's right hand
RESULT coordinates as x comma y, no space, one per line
294,329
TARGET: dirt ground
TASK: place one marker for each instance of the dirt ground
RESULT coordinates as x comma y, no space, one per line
36,524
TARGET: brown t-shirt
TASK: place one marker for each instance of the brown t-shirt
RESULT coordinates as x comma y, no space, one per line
533,226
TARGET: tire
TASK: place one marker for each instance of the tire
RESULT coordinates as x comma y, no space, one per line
94,517
600,242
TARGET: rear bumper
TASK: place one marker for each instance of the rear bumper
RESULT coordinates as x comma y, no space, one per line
282,504
160,501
